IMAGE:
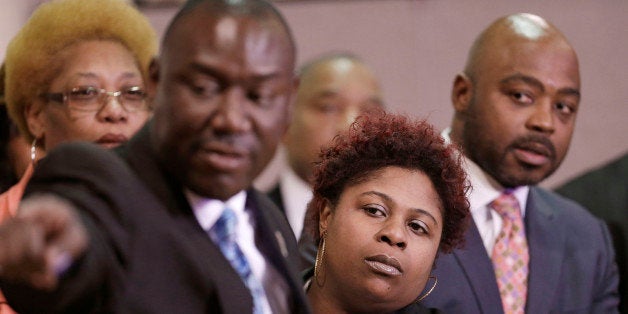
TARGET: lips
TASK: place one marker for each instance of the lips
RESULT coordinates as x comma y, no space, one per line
111,140
535,152
222,156
384,265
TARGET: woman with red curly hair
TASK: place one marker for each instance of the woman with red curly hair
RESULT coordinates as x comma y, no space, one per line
389,194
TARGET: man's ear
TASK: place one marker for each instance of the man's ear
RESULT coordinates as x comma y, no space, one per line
294,89
34,114
461,93
153,78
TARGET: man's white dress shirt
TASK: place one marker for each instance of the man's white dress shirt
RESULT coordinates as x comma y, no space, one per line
296,194
207,212
484,190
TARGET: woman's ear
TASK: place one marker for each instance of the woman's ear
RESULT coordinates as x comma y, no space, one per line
34,113
325,216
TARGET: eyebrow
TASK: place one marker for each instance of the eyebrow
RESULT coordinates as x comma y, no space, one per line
390,200
212,71
94,75
536,83
326,93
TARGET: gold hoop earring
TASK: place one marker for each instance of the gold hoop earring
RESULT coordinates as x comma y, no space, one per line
320,256
431,289
34,151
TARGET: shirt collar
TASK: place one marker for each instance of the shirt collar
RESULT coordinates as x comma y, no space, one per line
296,193
207,210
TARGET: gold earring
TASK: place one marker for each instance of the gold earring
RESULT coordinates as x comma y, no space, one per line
320,256
431,289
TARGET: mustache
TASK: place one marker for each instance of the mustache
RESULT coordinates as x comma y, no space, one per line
225,143
536,143
223,138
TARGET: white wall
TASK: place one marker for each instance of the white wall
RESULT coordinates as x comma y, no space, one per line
417,46
13,13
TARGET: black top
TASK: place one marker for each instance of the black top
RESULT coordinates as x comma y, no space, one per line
413,308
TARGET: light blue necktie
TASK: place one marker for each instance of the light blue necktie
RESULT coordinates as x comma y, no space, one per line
223,233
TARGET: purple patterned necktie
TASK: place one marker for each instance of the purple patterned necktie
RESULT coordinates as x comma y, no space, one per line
510,255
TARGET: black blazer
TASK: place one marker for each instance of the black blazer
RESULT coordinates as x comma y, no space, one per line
275,195
413,308
147,252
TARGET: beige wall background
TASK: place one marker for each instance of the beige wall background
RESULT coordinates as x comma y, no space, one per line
417,46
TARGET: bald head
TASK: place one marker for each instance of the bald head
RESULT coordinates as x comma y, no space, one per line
516,101
333,90
508,30
259,10
344,67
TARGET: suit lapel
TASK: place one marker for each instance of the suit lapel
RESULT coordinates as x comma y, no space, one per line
215,271
277,244
275,196
546,240
478,269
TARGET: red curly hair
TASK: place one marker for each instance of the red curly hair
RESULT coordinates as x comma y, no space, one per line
377,140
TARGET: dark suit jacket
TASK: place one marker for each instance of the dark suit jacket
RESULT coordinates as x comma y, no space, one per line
275,195
604,192
572,267
147,252
307,248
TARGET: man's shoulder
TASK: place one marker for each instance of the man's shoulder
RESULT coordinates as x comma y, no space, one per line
611,173
603,190
567,214
557,204
81,159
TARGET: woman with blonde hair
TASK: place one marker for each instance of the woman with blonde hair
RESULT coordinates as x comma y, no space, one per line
76,71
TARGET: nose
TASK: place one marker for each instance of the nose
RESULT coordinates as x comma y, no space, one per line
112,111
231,114
393,234
541,118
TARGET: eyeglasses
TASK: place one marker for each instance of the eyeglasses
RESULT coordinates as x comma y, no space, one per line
89,98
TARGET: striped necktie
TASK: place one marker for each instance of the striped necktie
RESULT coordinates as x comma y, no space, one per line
223,233
510,255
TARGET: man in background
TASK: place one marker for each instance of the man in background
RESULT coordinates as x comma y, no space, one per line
604,192
333,90
527,249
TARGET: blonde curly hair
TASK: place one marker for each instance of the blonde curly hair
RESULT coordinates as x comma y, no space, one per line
58,24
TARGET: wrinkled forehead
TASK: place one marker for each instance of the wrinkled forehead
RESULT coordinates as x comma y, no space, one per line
230,30
339,75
